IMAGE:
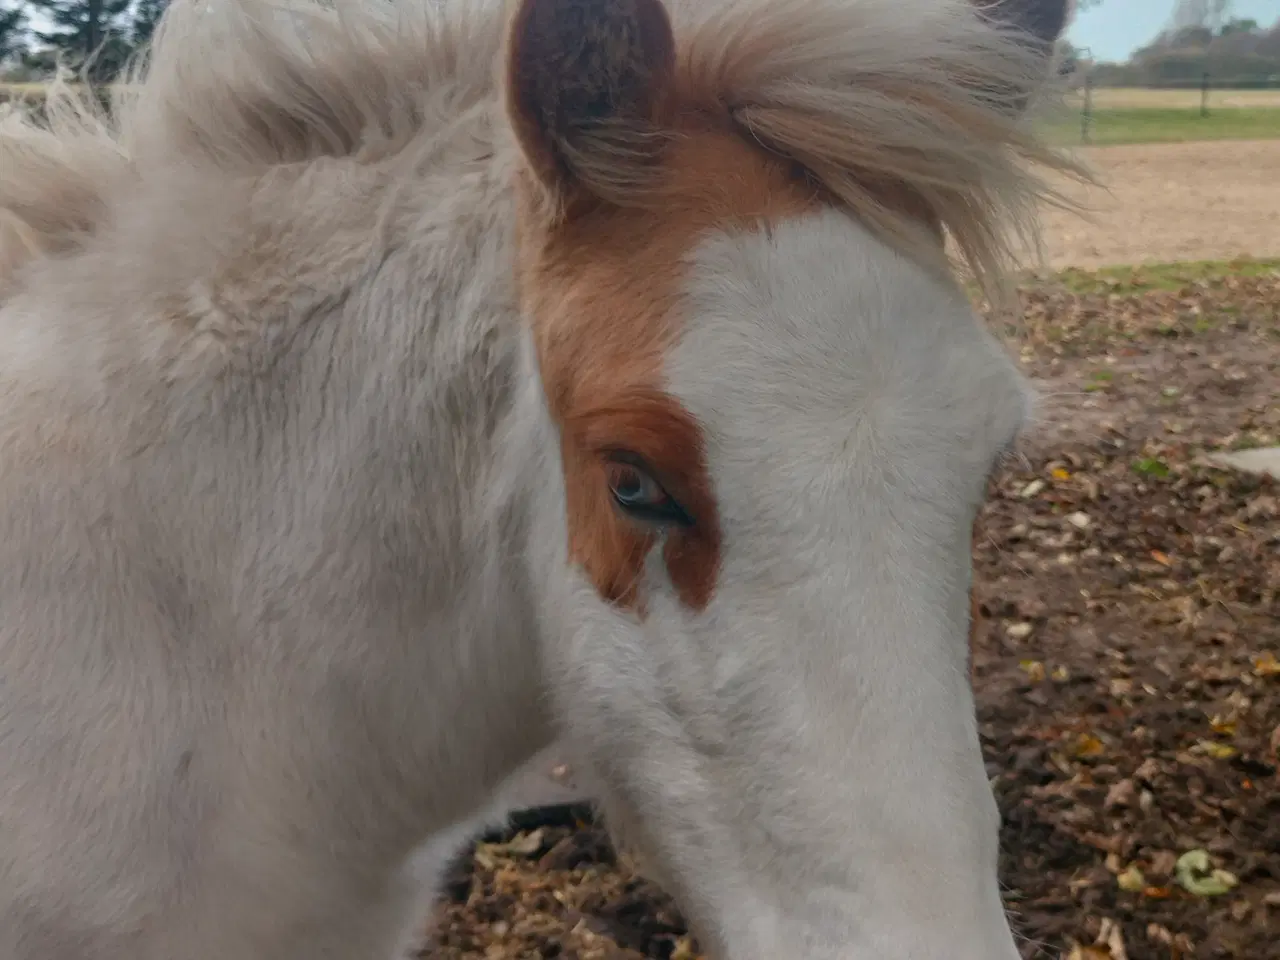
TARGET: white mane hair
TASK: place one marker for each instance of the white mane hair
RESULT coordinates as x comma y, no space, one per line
870,97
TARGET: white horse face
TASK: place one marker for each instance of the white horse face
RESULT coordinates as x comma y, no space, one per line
775,432
791,739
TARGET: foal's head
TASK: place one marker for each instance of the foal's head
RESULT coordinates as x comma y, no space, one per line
777,411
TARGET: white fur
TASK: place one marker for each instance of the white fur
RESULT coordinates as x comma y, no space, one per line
802,758
283,581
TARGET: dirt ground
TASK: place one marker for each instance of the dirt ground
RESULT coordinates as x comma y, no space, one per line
1108,98
1125,666
1167,202
1127,681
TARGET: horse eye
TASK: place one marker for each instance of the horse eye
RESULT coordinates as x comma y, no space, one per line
631,487
642,497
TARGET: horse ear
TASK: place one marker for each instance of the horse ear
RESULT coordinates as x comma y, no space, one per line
1041,20
587,82
1038,23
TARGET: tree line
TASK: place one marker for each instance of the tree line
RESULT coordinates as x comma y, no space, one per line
1201,37
94,38
1235,51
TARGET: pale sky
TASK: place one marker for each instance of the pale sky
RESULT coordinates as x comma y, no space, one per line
1115,28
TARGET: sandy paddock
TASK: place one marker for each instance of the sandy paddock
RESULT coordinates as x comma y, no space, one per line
1178,201
1187,98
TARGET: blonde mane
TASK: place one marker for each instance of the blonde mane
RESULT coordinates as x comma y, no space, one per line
872,98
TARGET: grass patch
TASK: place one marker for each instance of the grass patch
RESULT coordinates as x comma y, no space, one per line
33,94
1151,467
1248,441
1115,125
1099,380
1127,280
27,93
1146,278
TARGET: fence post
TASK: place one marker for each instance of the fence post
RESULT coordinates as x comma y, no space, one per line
1204,94
1086,113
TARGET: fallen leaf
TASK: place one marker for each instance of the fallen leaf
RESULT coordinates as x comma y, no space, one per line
1120,686
526,843
522,845
1034,670
1112,936
1219,751
1087,745
1080,520
1196,875
1266,665
1089,953
1121,794
1225,727
1018,631
1147,770
1131,880
1161,558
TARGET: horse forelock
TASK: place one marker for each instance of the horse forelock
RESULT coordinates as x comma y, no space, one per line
875,99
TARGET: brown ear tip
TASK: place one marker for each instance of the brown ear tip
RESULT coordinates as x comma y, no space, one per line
568,27
583,77
1045,20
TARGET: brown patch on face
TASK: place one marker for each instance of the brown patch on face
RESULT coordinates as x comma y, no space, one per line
631,157
602,291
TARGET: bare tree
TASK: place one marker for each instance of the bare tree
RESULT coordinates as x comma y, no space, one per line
13,31
1206,14
91,34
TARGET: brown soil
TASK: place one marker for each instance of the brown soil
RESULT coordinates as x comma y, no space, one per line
1139,718
1167,202
1185,98
1128,696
